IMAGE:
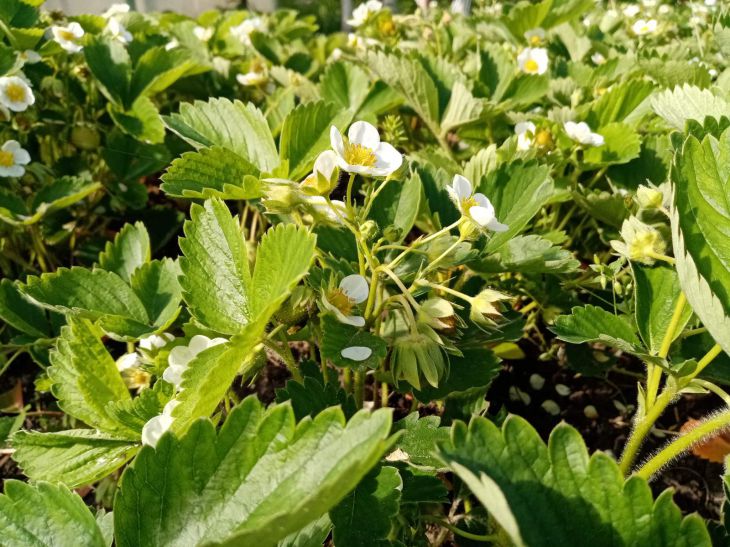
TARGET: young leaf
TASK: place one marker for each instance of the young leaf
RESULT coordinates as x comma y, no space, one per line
232,125
420,438
75,457
255,482
657,292
283,258
215,256
365,516
557,494
212,172
85,377
700,228
594,324
46,515
306,133
129,250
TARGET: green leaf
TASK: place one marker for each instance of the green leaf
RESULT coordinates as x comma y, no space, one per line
141,121
687,102
345,85
526,16
517,191
94,294
420,438
157,69
212,172
129,250
700,216
657,292
255,482
46,515
17,312
313,534
622,144
398,204
557,494
407,75
156,284
85,378
306,133
469,375
337,336
110,64
76,457
527,254
283,258
594,324
216,257
618,103
463,108
366,514
239,128
313,395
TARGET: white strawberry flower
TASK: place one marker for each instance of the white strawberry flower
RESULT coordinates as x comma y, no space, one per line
535,36
323,177
525,132
203,33
157,426
533,60
631,10
15,93
181,356
581,132
29,57
155,341
116,10
363,12
118,31
356,353
353,290
68,37
13,158
475,207
363,153
598,58
642,27
243,31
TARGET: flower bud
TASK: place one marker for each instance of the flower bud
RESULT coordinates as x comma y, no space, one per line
369,229
640,241
649,198
437,313
85,137
484,308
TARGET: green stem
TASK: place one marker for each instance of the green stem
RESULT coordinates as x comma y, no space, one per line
706,360
359,388
654,372
459,531
642,428
683,443
423,241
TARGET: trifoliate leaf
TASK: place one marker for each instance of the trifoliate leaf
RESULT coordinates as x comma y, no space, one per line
255,482
557,494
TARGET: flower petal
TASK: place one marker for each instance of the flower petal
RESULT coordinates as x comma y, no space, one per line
337,143
21,157
356,353
387,158
497,226
365,134
198,343
481,215
461,186
180,356
325,164
354,320
155,428
355,287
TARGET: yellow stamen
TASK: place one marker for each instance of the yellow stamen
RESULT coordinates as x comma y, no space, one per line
340,300
7,159
357,154
467,204
15,92
531,65
535,40
67,35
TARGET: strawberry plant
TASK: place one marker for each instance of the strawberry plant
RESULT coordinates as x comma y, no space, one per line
263,284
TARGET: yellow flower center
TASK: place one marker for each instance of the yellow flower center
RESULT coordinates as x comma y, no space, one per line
15,92
67,35
467,204
531,66
136,377
357,154
340,300
535,40
645,244
7,159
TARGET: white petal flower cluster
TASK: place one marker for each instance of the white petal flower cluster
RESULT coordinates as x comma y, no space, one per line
243,31
642,27
363,12
181,356
533,60
13,159
581,133
363,153
475,207
16,93
68,37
